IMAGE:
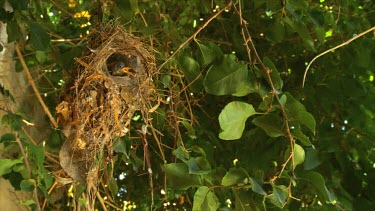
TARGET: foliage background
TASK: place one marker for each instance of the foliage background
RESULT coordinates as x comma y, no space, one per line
239,131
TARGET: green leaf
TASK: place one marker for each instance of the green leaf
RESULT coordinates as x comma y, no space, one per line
28,202
312,159
189,128
13,31
205,199
208,52
39,38
41,56
122,146
36,153
235,176
134,6
256,186
296,112
271,123
275,76
226,76
232,119
199,165
280,195
318,182
192,73
178,176
181,154
299,155
6,165
13,120
247,201
297,133
112,185
301,29
7,137
28,185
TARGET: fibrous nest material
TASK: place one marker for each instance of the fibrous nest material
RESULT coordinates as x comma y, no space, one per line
112,81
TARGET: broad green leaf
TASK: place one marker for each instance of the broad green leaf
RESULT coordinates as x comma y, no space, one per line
299,155
208,52
39,38
279,195
28,185
312,159
7,137
246,201
232,119
178,176
13,120
248,86
297,133
296,112
192,73
205,199
199,165
235,176
6,165
301,29
181,154
226,76
190,129
36,153
271,123
318,182
276,80
256,186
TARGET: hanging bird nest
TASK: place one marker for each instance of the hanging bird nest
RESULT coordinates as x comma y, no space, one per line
113,80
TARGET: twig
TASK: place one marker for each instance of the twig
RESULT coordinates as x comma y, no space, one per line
334,48
194,35
273,89
101,200
35,89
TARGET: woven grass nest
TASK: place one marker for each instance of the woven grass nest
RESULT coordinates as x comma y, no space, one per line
113,80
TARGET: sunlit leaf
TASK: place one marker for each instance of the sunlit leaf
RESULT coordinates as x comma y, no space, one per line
235,176
6,165
232,119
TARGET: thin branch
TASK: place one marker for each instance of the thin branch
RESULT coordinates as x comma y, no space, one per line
35,89
247,40
332,49
194,35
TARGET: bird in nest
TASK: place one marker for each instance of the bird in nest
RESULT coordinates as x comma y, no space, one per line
123,65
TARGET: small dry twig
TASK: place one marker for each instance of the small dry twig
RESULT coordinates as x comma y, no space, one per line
35,89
